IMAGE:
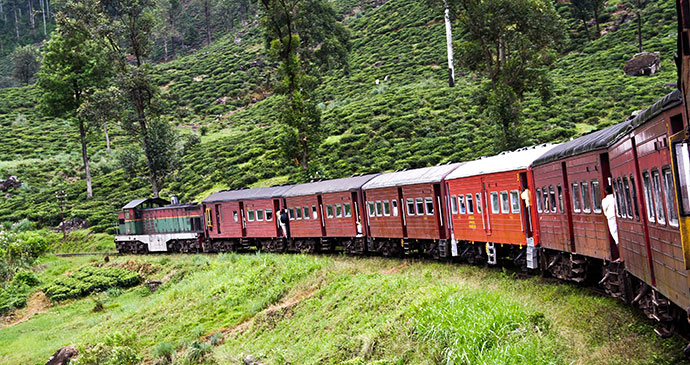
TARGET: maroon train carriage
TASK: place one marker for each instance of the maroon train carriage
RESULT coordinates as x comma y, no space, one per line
647,212
243,219
486,207
327,214
406,211
154,225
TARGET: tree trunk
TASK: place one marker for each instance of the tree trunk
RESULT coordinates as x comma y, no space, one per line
48,8
207,17
584,21
43,12
87,169
165,47
32,19
154,185
4,16
639,26
107,137
16,23
596,19
449,46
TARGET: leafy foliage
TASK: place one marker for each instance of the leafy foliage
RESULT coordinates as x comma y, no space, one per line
89,279
26,63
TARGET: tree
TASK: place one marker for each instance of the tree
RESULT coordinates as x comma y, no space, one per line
73,67
25,63
512,43
305,39
597,5
582,10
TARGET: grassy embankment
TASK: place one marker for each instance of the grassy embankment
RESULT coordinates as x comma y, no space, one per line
331,309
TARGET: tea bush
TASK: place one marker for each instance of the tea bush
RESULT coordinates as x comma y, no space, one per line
90,279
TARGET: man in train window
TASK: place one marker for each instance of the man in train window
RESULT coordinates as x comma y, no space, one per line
608,205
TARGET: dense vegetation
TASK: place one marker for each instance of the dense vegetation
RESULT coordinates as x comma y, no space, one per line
390,110
222,308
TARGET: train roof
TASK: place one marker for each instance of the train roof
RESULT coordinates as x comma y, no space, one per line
669,101
329,186
505,161
137,202
248,194
424,175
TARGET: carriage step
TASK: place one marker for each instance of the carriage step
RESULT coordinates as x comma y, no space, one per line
491,253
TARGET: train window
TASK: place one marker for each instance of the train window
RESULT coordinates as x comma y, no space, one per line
682,157
515,201
617,195
628,197
260,215
314,214
429,206
576,198
552,199
269,215
410,206
505,203
329,211
668,190
559,189
494,202
649,203
305,209
470,204
462,207
235,217
291,213
453,204
372,211
250,215
596,196
338,211
126,214
539,200
394,203
658,202
633,191
479,202
347,209
586,202
545,198
621,189
386,208
420,206
121,221
298,212
379,208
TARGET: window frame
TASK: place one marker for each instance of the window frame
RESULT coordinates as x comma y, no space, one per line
329,211
259,215
305,212
559,191
576,197
470,204
552,199
515,199
347,210
427,201
539,203
338,210
495,203
269,214
478,199
379,209
669,190
291,214
419,202
586,197
298,212
387,208
372,208
409,202
454,204
658,198
596,195
462,205
250,215
628,198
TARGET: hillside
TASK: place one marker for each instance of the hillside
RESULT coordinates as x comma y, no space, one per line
410,118
327,309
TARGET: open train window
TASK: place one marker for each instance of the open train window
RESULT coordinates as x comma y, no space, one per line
372,211
633,190
235,216
429,205
379,208
681,155
260,215
576,198
250,215
494,203
347,209
298,212
621,194
291,213
269,215
305,209
479,202
668,191
470,204
552,199
649,201
596,196
453,204
505,203
586,203
394,204
539,200
559,189
386,208
338,211
658,196
410,206
628,197
462,207
420,206
545,198
515,201
329,211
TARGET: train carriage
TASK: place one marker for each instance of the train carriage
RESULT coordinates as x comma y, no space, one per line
406,211
326,214
243,219
486,206
569,182
647,212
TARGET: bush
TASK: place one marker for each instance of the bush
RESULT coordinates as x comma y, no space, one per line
90,279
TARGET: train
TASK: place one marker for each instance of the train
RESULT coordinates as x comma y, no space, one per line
538,209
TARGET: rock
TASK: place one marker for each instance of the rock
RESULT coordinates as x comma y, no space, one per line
11,183
63,356
643,64
153,284
73,225
251,360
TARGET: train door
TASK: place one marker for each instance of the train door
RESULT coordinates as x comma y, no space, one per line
402,215
276,216
355,213
568,206
486,209
439,209
606,177
218,218
319,201
243,219
524,207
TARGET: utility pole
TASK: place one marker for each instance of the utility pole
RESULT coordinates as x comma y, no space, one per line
61,199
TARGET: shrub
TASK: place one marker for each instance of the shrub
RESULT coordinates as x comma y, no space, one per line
90,279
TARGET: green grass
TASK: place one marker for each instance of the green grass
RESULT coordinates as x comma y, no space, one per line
333,309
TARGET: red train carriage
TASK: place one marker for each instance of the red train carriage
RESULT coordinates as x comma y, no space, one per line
242,219
153,225
406,210
569,185
647,212
486,206
327,213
